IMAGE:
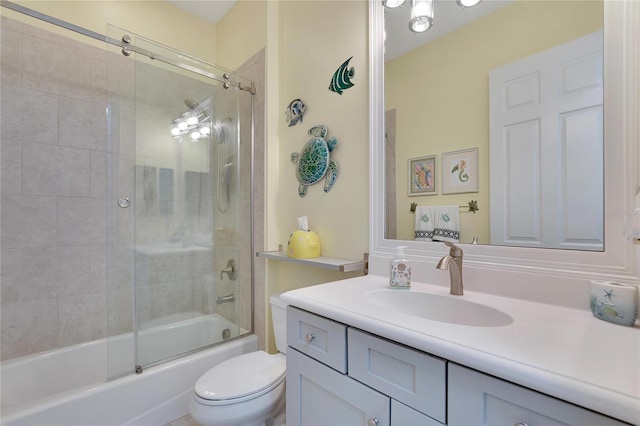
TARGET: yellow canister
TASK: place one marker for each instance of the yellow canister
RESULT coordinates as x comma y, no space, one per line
303,245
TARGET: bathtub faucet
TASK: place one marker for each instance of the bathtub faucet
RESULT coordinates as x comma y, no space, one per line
226,299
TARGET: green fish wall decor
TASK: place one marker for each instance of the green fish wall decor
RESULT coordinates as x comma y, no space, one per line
341,79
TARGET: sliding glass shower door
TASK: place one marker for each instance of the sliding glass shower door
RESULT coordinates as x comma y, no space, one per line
175,252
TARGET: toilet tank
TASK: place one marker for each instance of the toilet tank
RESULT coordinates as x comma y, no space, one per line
279,316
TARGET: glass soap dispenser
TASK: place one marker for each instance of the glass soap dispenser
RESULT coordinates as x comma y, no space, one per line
400,270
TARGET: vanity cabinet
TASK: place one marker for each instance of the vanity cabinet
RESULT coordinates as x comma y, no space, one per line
381,384
479,399
339,375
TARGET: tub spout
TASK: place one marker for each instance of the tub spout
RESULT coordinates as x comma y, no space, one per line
226,299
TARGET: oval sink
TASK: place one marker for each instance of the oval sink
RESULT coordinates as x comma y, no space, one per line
450,309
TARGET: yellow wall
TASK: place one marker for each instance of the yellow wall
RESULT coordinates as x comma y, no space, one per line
157,20
316,37
440,93
241,33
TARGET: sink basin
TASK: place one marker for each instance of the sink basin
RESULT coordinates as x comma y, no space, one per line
449,309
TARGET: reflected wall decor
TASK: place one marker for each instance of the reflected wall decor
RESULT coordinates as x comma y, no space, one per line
460,171
422,176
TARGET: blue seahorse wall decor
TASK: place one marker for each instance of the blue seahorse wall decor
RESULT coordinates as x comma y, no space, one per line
341,79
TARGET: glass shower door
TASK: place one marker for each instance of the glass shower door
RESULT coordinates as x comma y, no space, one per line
184,128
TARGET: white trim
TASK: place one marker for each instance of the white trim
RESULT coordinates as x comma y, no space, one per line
622,127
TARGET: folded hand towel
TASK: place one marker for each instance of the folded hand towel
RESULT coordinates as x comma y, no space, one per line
447,226
425,222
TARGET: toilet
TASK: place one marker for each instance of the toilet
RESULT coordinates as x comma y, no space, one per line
247,390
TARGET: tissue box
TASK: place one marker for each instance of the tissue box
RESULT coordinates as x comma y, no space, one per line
303,245
614,302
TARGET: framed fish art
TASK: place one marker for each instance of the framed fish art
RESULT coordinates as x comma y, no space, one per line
341,79
422,176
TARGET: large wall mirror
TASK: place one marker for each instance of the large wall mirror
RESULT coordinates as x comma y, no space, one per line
520,108
504,99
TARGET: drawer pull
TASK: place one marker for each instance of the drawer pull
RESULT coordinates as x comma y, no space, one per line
372,422
309,337
521,424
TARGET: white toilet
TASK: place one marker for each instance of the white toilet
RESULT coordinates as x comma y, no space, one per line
246,390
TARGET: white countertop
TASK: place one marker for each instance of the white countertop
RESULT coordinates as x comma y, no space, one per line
565,353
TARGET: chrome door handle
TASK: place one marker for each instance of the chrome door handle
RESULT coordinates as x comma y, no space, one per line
309,337
372,422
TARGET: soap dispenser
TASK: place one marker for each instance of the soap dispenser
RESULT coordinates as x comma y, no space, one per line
400,270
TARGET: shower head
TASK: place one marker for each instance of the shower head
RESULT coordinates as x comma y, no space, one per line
191,104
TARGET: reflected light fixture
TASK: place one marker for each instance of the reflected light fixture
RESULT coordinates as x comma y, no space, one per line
194,124
421,15
422,11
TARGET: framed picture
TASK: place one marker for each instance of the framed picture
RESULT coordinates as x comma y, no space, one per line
460,171
422,176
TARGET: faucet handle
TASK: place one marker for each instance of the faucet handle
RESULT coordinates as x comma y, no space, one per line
454,250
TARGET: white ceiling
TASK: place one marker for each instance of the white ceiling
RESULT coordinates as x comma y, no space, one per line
210,10
448,16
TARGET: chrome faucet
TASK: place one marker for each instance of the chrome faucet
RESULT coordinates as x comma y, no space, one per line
226,299
453,262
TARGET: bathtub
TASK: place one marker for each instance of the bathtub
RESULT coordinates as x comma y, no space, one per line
68,386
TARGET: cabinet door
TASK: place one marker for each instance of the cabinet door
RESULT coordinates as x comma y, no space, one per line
320,396
479,399
401,415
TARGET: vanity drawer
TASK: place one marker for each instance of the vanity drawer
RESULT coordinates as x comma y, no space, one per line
318,337
407,375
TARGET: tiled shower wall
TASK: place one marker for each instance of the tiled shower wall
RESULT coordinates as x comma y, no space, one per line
53,185
60,245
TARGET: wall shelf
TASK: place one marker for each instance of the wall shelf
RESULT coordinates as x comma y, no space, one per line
333,263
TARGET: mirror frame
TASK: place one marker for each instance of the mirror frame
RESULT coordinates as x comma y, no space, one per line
622,128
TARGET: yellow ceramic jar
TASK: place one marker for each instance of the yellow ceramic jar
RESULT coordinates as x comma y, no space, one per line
303,245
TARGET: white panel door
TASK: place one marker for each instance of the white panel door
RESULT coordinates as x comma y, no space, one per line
546,148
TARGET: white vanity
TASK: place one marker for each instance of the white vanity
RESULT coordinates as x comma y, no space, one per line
354,361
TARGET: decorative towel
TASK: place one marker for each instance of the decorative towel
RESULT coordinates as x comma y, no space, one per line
447,226
425,223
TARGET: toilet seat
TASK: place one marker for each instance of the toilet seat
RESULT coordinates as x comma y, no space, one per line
241,378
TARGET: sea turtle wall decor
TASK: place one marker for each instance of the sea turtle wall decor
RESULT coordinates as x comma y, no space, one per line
341,79
314,162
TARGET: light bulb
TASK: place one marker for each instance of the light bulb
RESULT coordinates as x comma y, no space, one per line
182,125
195,135
205,130
468,3
392,4
175,131
192,121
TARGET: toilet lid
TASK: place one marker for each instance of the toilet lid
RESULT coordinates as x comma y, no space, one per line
241,376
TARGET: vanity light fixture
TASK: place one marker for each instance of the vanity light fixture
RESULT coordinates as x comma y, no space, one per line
194,124
422,11
421,15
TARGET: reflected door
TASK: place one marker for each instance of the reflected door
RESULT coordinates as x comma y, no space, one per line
547,148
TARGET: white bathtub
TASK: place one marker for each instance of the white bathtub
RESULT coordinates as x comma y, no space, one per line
68,386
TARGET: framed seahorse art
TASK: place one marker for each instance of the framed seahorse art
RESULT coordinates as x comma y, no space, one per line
460,171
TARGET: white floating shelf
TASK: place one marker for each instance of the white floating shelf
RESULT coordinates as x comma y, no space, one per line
335,264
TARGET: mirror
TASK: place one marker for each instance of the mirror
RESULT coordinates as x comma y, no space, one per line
473,114
497,264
